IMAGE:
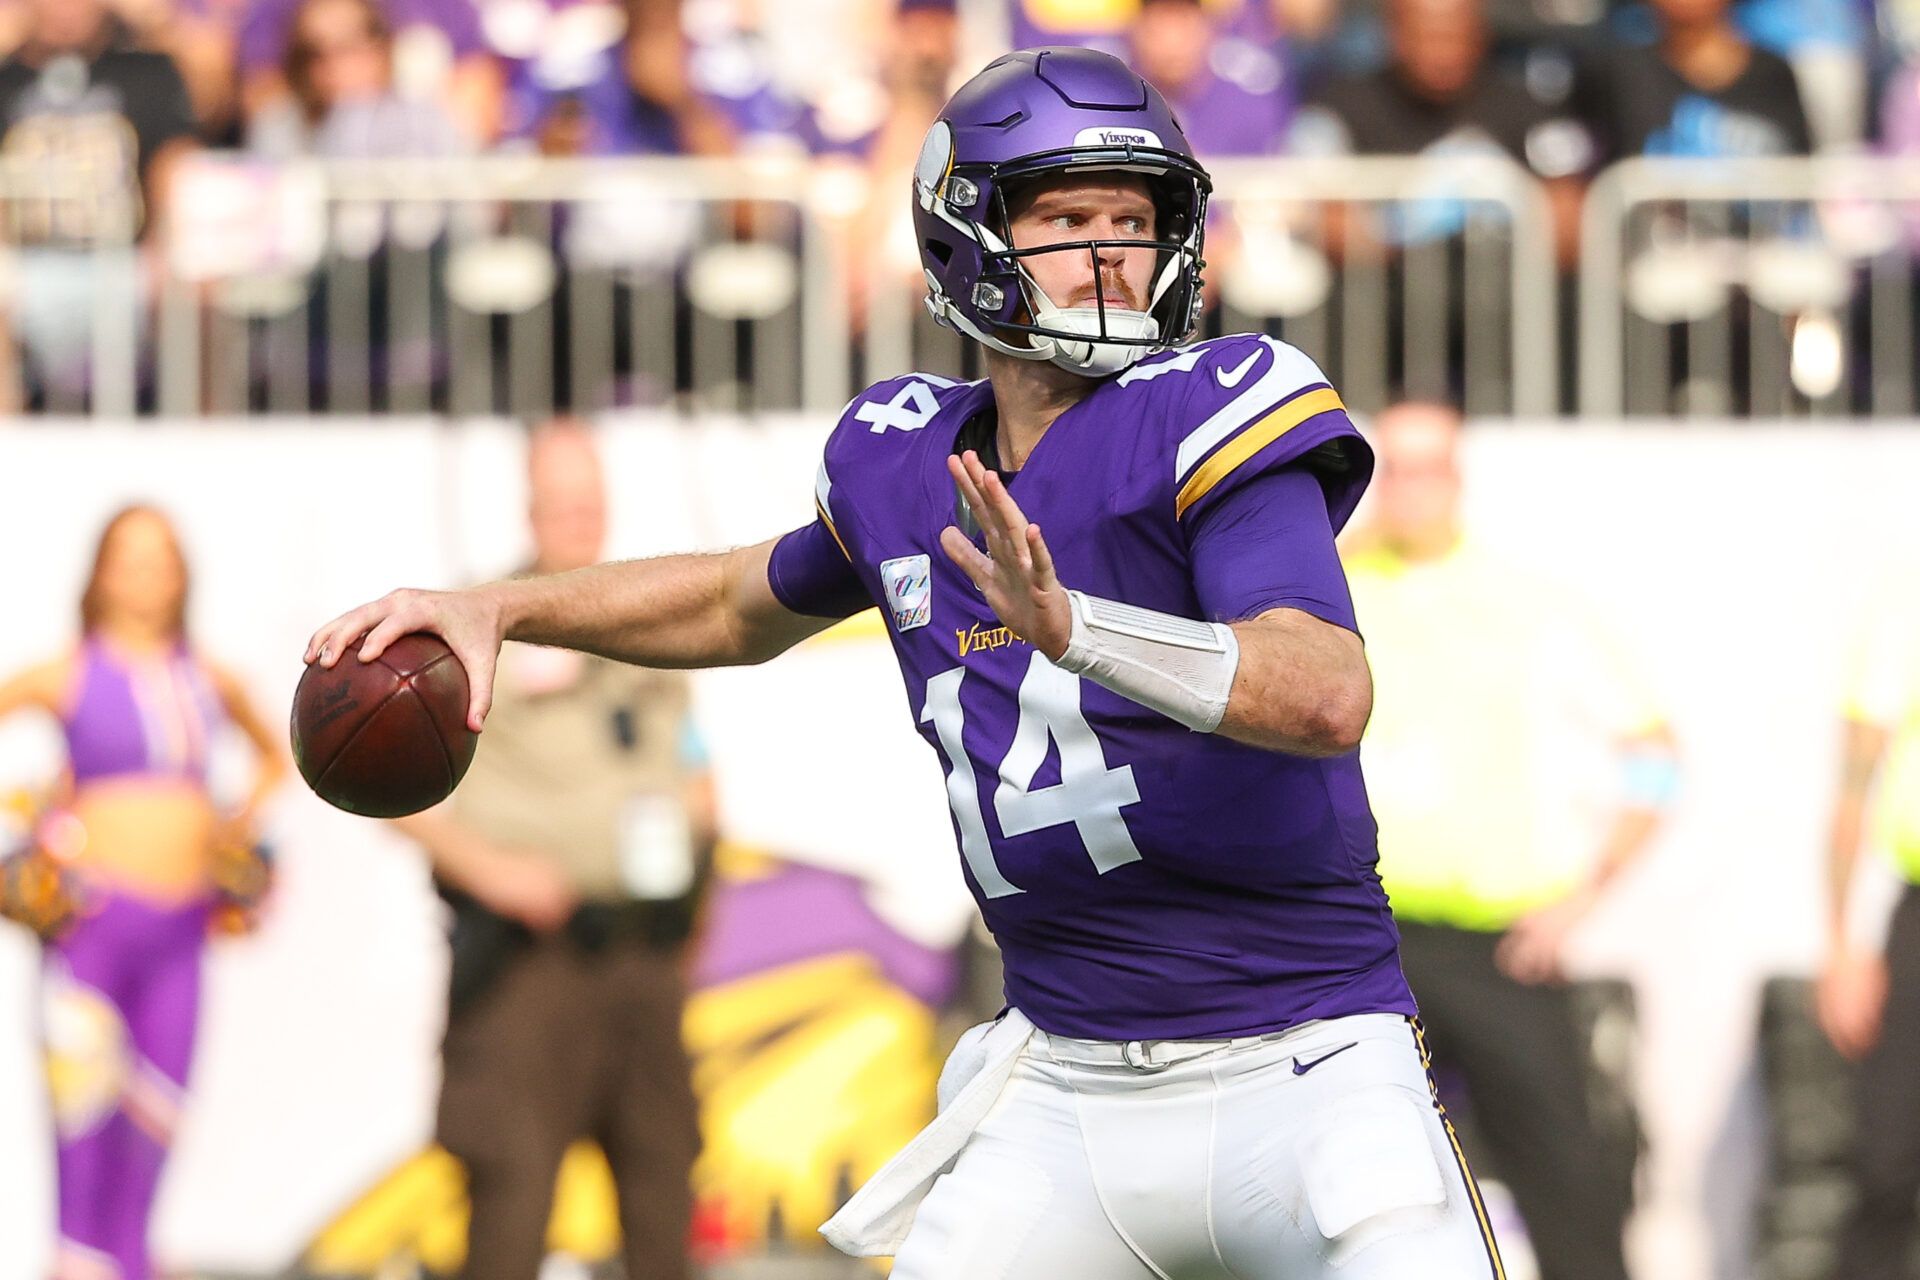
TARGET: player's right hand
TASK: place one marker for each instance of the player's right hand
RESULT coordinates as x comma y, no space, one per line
471,622
1850,997
536,893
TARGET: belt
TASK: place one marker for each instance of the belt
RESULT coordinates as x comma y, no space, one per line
595,925
1154,1055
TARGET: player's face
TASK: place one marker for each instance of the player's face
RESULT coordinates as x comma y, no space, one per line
1078,207
142,576
1417,474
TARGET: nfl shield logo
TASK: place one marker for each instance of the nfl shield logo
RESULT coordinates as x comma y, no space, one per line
909,584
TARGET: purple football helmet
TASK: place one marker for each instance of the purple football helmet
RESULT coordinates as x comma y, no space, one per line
1041,112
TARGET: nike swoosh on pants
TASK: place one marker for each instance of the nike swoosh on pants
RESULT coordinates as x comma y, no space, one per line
1301,1065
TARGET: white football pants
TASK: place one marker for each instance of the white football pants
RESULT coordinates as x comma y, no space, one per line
1316,1154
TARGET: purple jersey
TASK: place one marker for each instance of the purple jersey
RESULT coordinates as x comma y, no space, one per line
1143,881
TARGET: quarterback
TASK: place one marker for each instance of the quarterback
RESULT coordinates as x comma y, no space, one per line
1111,584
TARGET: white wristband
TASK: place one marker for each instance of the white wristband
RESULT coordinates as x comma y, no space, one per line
1180,667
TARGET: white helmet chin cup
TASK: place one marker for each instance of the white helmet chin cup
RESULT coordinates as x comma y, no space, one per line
1094,358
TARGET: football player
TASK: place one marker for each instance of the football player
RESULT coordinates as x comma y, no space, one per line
1110,576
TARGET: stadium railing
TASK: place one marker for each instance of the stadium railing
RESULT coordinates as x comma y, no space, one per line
518,285
499,284
1422,276
70,278
1752,288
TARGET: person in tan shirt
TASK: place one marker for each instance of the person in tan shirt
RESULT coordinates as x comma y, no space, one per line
574,855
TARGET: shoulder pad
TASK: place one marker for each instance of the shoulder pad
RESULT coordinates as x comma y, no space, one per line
1238,381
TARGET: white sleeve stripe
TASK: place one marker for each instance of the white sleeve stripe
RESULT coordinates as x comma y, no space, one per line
1291,371
822,487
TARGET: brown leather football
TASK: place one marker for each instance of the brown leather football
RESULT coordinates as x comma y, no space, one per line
385,738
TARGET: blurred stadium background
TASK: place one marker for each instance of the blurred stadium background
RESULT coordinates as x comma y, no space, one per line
302,276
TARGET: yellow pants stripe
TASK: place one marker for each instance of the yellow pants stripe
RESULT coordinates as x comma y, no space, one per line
1459,1156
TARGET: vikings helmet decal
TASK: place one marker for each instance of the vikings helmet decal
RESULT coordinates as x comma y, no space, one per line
1036,113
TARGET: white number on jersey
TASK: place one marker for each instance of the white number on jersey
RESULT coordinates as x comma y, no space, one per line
1182,363
1089,795
911,408
963,793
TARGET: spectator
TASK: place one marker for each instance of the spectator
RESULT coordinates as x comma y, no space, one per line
1225,78
201,37
1899,117
1439,96
339,69
1701,90
1104,24
1488,874
435,52
105,126
566,89
75,95
574,854
917,64
1825,41
595,79
1869,997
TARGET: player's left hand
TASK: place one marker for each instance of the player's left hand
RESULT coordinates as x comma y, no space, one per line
1532,950
1016,574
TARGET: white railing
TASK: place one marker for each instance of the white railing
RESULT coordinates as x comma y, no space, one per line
495,284
507,284
1750,288
1439,274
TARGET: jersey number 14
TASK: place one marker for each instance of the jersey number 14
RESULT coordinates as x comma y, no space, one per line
1089,795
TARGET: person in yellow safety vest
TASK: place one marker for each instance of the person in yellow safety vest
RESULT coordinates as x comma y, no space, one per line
1516,767
1868,998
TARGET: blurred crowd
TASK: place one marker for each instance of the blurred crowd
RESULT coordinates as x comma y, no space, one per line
116,93
1562,86
839,78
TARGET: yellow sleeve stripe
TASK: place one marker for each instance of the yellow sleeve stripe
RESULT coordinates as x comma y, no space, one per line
1251,441
827,520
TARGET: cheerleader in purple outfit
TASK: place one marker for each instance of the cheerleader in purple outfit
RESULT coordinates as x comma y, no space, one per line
138,839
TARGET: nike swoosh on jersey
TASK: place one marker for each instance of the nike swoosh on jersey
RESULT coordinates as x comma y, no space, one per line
1230,378
1301,1065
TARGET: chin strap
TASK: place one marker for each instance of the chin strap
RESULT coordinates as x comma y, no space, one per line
1180,667
1093,357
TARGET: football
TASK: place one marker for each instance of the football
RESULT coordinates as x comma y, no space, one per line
385,738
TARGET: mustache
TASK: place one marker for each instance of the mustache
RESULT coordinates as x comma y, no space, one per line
1088,296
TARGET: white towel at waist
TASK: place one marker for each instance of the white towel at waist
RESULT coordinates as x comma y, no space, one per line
875,1222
